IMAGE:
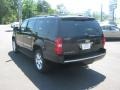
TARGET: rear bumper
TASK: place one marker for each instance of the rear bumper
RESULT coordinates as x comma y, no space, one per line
87,60
90,58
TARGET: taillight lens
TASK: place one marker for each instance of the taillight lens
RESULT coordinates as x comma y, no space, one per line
58,46
103,40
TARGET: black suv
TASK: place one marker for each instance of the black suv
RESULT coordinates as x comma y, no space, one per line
60,39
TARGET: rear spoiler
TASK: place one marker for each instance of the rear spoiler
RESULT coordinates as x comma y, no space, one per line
77,19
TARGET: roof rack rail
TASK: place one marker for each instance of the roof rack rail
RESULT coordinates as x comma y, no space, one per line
41,15
47,15
53,15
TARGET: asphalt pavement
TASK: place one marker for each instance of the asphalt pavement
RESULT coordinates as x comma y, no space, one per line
17,72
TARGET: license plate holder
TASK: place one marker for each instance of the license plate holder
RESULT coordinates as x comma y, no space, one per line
85,46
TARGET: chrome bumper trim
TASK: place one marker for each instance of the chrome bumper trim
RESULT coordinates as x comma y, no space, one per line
84,58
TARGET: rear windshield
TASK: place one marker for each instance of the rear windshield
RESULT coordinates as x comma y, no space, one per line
75,28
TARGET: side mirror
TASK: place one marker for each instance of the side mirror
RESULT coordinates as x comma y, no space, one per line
15,24
16,29
12,26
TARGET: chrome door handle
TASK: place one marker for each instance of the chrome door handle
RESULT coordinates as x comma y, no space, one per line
28,37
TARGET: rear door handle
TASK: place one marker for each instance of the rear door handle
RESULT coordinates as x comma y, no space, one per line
28,37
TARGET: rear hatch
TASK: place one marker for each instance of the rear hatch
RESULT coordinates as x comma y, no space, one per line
80,35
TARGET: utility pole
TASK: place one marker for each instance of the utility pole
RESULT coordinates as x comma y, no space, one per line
20,11
101,16
112,7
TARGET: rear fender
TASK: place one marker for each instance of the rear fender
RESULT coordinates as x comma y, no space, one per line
39,44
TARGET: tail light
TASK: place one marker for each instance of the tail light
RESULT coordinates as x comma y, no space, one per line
103,40
58,46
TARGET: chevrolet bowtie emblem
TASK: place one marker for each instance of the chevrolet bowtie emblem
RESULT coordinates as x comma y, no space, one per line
87,41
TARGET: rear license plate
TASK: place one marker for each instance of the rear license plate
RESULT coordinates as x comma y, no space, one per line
85,46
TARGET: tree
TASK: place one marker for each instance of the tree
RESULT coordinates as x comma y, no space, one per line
3,9
61,9
28,8
8,10
43,7
32,8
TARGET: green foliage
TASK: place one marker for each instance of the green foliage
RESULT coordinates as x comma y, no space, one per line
43,7
30,8
8,11
61,10
3,9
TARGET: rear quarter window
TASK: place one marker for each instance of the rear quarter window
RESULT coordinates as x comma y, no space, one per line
41,27
52,27
46,27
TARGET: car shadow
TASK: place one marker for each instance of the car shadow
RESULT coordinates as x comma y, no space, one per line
9,31
62,77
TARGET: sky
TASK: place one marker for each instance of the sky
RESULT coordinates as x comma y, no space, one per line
79,6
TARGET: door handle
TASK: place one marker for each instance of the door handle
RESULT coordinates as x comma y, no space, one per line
28,37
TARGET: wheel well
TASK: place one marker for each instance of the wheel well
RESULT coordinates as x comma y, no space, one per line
36,47
13,38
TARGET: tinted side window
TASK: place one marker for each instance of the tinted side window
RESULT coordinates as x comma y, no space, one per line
46,27
30,26
24,24
52,27
41,27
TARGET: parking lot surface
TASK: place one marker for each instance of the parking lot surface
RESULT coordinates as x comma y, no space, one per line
17,72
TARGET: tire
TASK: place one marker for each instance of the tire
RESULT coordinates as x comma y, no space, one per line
14,46
40,63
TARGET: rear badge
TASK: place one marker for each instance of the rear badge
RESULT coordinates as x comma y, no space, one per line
87,41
